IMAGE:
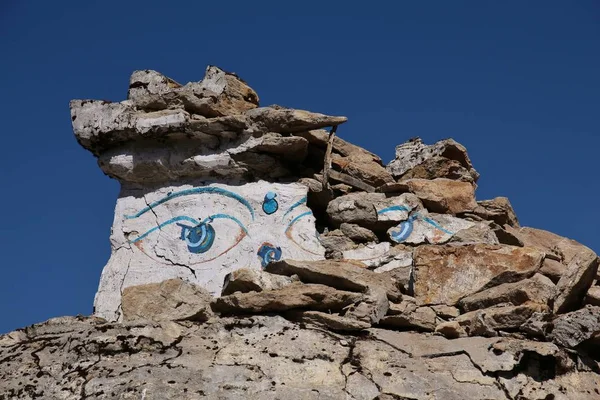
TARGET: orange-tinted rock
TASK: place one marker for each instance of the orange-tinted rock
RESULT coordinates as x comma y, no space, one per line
444,195
445,274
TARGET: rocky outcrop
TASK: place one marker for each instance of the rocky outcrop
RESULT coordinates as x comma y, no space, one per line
258,256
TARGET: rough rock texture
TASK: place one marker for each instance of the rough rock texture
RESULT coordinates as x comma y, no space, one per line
339,277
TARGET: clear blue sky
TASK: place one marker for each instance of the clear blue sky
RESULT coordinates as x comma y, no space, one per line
517,82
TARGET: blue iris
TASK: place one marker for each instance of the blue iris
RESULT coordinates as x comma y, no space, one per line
403,231
270,205
199,238
268,253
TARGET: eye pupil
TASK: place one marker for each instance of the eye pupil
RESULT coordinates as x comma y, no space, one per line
200,238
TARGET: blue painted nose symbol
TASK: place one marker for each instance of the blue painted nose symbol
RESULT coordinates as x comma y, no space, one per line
270,205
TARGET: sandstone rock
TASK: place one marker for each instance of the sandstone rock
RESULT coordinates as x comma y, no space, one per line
514,293
320,137
445,274
444,195
219,93
556,247
451,330
286,120
334,322
357,233
573,328
343,275
293,148
253,280
420,319
505,237
593,296
335,243
363,168
575,282
479,232
445,311
357,208
552,269
170,300
498,210
294,296
372,308
488,321
435,161
372,255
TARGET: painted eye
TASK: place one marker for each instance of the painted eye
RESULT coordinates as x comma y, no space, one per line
400,233
268,253
200,238
301,231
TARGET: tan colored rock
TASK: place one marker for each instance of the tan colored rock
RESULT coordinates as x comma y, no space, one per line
575,282
292,148
573,328
335,322
358,234
498,210
421,319
320,137
343,275
253,280
363,168
593,296
488,321
372,308
444,159
552,269
451,330
445,274
287,120
356,208
446,312
294,296
444,195
514,293
170,300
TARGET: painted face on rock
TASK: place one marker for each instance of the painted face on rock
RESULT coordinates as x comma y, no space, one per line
214,230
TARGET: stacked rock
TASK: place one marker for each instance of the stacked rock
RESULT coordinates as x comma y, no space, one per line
241,230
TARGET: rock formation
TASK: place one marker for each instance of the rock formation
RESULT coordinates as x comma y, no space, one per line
257,256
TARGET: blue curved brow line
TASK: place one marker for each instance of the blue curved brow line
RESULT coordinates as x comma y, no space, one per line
169,222
296,204
226,216
393,208
435,224
292,222
210,190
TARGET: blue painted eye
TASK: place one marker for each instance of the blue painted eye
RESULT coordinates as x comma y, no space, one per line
270,205
402,231
268,253
199,238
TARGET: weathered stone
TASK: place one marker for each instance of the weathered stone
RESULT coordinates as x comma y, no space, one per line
514,293
451,330
593,296
357,208
294,296
479,232
363,168
498,210
575,282
434,161
444,195
421,319
320,138
343,275
505,237
370,254
372,308
445,311
170,300
552,269
287,120
219,93
293,148
488,321
253,280
358,233
335,322
335,243
445,274
573,328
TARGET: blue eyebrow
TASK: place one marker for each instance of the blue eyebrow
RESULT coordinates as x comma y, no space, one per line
436,225
234,219
171,221
296,204
292,222
393,208
210,190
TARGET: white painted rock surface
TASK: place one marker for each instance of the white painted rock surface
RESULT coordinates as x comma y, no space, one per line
202,233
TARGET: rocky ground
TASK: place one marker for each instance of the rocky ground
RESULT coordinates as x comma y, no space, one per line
423,293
